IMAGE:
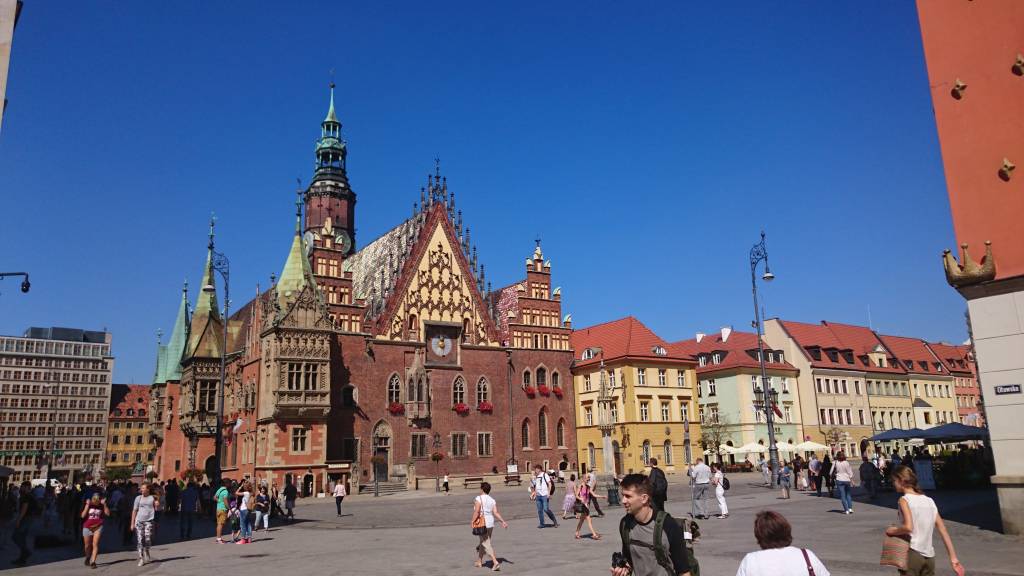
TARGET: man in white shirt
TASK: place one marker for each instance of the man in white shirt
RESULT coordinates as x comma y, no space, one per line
701,475
591,482
540,491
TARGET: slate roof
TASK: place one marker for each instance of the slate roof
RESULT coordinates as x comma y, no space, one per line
735,352
375,267
625,337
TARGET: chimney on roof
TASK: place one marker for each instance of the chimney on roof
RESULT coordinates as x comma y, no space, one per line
700,336
726,332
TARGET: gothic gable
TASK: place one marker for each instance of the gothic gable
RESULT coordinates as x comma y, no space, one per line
437,285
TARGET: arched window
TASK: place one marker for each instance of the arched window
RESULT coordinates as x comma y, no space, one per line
410,394
394,389
542,428
465,331
667,453
525,432
542,377
414,327
421,390
483,391
526,377
591,456
459,391
560,433
555,382
645,453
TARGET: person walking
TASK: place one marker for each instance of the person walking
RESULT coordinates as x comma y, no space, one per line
844,481
718,481
143,515
445,485
814,471
766,474
659,483
189,509
583,495
221,500
701,475
827,474
778,556
339,494
652,540
290,493
592,482
28,510
785,479
569,502
275,500
869,476
245,493
93,513
918,517
486,508
262,508
540,492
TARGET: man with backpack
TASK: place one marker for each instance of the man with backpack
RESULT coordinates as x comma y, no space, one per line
540,491
659,484
652,541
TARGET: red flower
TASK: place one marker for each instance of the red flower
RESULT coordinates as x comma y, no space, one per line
437,456
530,391
396,408
544,390
486,407
461,408
558,392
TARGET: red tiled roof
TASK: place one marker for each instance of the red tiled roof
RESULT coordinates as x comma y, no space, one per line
951,355
914,350
621,338
856,341
125,396
734,351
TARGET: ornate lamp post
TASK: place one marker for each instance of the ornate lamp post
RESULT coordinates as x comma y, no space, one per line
221,265
765,399
437,461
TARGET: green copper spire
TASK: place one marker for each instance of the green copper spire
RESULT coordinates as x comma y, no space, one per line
205,338
207,301
297,273
176,345
330,148
331,116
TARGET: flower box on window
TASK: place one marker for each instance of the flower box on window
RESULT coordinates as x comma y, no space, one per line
544,390
486,407
396,409
461,409
558,392
530,391
437,456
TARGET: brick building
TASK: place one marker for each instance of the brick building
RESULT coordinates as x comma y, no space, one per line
54,395
363,363
129,442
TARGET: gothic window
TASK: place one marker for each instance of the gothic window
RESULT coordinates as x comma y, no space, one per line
459,391
667,452
413,327
465,331
394,389
483,391
555,381
310,376
298,439
542,429
207,396
525,433
542,377
645,453
560,433
294,375
526,377
421,392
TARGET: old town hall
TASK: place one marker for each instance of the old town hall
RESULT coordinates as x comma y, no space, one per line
387,361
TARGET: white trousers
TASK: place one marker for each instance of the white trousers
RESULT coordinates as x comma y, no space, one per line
720,495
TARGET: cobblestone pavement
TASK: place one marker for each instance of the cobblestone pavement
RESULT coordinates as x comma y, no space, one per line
425,533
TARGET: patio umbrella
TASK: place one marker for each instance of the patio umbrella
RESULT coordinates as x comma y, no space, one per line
785,447
898,434
722,449
953,432
810,446
751,447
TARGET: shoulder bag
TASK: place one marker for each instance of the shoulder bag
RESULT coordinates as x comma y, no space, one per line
895,550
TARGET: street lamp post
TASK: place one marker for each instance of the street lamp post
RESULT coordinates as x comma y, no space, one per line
437,461
759,253
221,265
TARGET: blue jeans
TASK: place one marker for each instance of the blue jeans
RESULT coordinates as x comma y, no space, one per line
844,495
542,508
243,523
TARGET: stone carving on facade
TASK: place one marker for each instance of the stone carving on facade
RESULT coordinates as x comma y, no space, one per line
968,272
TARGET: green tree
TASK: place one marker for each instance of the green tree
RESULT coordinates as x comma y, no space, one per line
714,433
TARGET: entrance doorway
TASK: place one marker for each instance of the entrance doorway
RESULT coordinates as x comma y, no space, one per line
617,452
381,452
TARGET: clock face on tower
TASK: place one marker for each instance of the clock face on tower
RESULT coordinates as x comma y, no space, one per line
442,343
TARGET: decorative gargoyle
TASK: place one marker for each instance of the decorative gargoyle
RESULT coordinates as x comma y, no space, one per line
968,272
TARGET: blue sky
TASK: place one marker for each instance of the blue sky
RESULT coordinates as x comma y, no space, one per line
646,146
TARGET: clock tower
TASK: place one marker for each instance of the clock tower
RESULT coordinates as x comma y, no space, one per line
330,201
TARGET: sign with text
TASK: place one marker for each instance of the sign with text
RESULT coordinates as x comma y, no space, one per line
1008,389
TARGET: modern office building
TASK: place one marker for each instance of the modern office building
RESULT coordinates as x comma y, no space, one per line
54,397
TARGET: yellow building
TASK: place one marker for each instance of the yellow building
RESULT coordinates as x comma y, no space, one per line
930,383
651,408
128,439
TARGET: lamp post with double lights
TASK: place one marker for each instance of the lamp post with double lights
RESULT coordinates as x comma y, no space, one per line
221,265
765,397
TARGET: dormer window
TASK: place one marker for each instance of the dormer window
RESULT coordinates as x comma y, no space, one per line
588,354
881,362
815,352
716,358
659,351
780,356
771,356
702,360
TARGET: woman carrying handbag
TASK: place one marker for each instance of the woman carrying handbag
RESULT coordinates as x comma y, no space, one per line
485,510
908,545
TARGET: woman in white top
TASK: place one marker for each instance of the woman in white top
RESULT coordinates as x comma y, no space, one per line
245,491
918,516
484,506
778,557
717,479
844,482
339,493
